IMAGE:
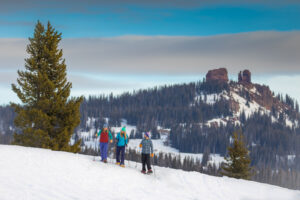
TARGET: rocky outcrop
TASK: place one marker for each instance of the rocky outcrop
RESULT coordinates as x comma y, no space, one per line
218,75
245,76
260,94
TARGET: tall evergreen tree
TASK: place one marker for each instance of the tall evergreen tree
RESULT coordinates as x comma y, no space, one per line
47,116
238,162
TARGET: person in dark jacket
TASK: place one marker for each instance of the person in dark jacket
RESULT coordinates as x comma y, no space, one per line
105,137
147,152
122,141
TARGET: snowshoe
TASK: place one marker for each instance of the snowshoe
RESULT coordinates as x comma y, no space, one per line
143,172
149,171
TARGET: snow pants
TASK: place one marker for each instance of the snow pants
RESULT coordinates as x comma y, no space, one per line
146,161
120,152
103,150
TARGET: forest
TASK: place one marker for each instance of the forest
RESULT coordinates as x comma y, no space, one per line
274,147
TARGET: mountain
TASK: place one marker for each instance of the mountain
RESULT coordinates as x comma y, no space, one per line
246,98
32,173
200,118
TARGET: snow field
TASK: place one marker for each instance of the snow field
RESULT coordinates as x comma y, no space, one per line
31,173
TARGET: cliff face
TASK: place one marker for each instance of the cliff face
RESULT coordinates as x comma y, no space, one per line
218,75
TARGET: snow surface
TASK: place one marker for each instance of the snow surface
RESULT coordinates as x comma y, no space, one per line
218,121
210,98
35,174
249,110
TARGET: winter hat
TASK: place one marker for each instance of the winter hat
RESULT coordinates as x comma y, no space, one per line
147,134
123,132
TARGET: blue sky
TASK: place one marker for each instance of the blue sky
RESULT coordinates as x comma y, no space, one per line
141,20
116,46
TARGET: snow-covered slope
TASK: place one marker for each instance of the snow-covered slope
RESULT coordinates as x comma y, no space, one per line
29,173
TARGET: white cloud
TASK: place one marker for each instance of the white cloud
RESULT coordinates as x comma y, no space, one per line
124,63
261,52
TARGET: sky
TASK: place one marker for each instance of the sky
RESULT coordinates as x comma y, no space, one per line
117,46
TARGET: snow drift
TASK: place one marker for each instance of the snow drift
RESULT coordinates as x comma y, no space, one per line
30,173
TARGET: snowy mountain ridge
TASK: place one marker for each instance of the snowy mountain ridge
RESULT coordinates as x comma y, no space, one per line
246,98
32,173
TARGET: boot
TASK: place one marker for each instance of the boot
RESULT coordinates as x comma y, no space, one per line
143,171
149,171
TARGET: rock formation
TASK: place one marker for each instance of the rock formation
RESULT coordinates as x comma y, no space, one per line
245,76
220,75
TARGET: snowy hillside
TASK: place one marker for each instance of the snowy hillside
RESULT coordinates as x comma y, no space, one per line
240,105
158,144
30,173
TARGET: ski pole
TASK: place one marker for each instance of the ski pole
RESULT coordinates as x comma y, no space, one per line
95,149
138,152
127,156
153,166
136,161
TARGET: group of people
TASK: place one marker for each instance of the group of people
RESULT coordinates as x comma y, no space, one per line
121,143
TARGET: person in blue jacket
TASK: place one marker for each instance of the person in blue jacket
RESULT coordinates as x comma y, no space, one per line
122,141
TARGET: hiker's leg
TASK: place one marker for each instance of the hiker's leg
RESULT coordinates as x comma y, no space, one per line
148,161
122,155
102,150
105,148
118,155
144,162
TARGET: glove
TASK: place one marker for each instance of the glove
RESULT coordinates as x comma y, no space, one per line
141,145
111,141
152,155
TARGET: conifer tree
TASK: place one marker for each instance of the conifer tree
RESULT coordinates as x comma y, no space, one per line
238,162
47,116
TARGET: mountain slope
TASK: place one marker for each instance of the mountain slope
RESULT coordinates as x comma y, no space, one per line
200,118
29,173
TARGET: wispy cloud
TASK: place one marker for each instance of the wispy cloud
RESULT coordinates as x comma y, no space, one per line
117,63
261,52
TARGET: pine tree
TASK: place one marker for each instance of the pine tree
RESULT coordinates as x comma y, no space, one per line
238,162
47,116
